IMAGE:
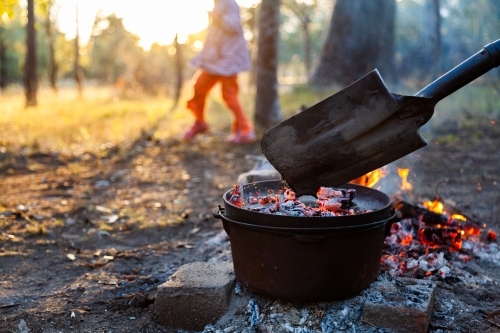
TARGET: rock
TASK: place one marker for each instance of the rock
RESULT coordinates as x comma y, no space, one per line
402,305
196,295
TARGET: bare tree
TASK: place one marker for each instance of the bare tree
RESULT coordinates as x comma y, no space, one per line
267,107
76,66
179,66
30,75
48,5
360,38
6,10
434,37
249,21
3,59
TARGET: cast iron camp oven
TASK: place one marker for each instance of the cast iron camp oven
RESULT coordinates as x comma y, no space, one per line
307,259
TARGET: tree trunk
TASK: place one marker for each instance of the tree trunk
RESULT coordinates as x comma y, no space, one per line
76,66
434,38
360,38
267,107
30,77
50,42
306,44
179,65
253,27
3,59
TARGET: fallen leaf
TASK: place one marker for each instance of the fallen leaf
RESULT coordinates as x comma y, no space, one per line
112,219
100,262
185,245
103,209
113,282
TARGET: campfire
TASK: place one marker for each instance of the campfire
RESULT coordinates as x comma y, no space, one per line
429,236
425,241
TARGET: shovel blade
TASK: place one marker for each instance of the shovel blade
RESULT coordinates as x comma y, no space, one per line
359,129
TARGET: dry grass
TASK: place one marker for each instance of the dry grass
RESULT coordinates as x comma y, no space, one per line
66,123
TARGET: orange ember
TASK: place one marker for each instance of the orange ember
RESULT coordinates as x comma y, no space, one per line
492,236
407,239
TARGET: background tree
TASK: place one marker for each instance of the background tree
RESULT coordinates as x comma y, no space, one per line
113,50
434,37
7,8
47,7
179,62
77,69
360,38
267,108
304,11
30,78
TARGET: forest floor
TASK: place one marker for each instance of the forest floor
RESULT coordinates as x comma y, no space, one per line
85,240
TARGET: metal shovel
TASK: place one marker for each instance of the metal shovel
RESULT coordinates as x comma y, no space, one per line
362,127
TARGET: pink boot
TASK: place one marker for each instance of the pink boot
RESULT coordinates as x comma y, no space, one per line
197,128
238,139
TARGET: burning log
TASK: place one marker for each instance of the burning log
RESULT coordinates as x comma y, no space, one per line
423,242
439,220
451,237
409,210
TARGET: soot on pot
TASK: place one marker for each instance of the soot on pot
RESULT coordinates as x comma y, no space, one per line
329,202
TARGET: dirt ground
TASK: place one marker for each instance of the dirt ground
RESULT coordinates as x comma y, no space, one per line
85,240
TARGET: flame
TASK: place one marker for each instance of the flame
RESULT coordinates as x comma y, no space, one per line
371,178
459,217
435,206
405,185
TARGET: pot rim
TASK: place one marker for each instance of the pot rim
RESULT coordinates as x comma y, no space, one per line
218,213
382,212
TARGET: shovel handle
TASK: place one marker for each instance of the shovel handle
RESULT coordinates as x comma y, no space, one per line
466,72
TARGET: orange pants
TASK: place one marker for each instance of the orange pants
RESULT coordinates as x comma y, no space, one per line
204,82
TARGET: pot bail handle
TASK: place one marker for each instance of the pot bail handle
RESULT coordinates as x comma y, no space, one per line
217,214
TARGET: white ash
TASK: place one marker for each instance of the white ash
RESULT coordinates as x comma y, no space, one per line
216,249
261,314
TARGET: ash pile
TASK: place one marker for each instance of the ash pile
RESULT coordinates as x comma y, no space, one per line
389,305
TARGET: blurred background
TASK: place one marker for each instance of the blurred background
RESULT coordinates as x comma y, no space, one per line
99,72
